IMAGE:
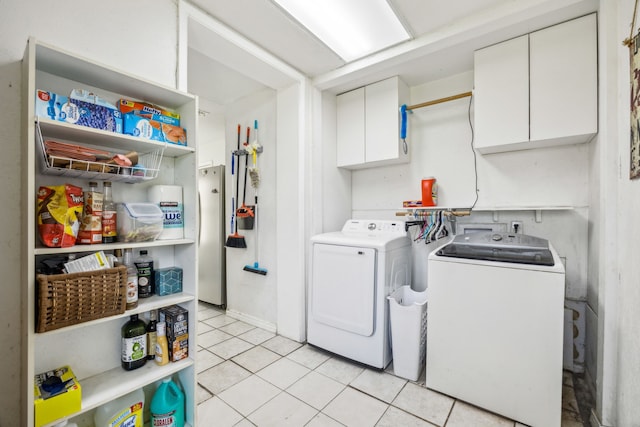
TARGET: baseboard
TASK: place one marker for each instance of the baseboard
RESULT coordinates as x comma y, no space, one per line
271,327
594,421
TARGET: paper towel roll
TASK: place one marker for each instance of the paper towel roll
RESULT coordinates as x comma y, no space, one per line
169,199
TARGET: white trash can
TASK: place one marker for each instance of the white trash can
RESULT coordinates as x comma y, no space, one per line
408,312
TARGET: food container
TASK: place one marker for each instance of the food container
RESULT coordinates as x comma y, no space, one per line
168,280
139,222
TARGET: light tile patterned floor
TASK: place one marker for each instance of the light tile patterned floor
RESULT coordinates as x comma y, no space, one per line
251,377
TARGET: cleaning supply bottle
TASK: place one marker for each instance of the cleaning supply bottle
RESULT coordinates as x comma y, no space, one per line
125,411
162,345
167,405
132,280
144,264
152,334
134,343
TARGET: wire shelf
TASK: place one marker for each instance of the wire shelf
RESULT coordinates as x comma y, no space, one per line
147,168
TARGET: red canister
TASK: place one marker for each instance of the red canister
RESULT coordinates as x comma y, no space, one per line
429,192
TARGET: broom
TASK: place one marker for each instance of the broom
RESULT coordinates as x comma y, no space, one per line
255,182
235,240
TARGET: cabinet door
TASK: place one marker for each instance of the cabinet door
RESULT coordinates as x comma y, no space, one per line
501,92
350,128
381,121
564,80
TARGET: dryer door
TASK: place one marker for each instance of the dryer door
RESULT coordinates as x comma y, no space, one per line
343,284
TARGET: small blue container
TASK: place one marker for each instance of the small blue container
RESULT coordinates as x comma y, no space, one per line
168,280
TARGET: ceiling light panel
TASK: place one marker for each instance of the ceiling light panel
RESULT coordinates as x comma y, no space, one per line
351,28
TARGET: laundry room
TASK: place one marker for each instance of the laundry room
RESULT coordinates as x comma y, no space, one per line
297,156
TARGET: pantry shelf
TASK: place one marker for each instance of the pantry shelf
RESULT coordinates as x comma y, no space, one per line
108,385
144,305
93,349
102,138
111,246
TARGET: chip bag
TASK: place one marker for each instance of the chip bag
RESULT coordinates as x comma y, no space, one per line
59,214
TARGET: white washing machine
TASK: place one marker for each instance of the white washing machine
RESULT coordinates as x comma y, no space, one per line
495,325
352,272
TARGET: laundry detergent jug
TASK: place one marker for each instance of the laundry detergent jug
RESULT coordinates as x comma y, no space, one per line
167,405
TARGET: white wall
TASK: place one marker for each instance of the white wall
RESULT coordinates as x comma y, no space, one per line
211,137
252,296
101,31
625,292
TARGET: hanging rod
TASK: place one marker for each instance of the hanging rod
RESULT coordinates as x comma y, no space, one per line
440,101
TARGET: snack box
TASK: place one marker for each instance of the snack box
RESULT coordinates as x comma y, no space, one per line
126,106
168,280
145,127
139,222
82,108
177,320
57,394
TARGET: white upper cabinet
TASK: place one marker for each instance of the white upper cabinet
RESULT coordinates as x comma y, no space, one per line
368,125
538,90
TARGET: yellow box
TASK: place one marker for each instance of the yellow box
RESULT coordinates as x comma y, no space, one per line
57,395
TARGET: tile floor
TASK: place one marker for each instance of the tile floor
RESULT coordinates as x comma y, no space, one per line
248,376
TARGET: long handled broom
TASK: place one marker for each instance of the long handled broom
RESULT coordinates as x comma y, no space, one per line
255,182
235,240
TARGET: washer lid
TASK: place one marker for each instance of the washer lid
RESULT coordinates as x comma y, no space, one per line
504,247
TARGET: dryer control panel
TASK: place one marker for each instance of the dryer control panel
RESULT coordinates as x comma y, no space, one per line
374,226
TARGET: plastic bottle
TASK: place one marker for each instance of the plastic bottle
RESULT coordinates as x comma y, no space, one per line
134,343
144,264
132,280
126,409
162,345
109,215
151,335
167,405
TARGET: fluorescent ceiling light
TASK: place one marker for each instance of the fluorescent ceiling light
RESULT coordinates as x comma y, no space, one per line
351,28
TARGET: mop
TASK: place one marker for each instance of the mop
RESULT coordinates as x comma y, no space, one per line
235,240
255,182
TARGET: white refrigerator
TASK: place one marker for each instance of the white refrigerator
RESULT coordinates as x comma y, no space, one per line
211,238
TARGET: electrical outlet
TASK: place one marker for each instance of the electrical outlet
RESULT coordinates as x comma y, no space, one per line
516,227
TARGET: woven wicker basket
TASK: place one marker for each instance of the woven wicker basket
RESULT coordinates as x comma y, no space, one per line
69,299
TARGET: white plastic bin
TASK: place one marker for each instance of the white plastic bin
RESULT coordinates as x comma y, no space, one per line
408,310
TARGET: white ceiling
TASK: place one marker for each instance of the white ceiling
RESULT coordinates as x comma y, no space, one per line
444,36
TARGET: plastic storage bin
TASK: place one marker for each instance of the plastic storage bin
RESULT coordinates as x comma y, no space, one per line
408,313
139,222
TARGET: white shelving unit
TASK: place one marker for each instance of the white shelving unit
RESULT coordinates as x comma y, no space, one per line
92,349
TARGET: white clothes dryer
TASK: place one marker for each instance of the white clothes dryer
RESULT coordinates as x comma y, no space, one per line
352,272
495,325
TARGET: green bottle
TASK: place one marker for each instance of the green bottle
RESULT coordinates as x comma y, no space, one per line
134,343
